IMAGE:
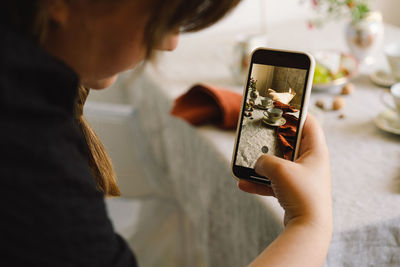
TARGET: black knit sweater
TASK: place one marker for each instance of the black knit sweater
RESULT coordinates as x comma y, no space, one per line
50,211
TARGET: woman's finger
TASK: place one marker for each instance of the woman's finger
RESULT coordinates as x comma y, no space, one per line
313,138
254,188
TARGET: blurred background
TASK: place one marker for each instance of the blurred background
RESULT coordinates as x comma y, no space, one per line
178,194
254,16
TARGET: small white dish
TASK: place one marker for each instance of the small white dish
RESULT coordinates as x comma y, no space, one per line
278,123
347,61
382,78
388,121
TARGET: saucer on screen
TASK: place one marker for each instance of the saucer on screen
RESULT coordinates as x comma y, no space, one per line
388,121
264,107
382,78
278,123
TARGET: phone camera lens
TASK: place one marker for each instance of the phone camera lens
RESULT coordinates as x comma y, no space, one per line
265,149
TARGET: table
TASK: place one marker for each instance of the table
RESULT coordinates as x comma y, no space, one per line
226,227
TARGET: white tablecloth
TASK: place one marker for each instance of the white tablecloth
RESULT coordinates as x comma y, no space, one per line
226,227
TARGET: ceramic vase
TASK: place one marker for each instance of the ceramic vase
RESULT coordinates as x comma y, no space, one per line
254,94
364,37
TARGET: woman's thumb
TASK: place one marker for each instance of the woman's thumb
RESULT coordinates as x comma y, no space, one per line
270,166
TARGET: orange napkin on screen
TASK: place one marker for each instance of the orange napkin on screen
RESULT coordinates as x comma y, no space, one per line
287,132
204,104
284,107
287,136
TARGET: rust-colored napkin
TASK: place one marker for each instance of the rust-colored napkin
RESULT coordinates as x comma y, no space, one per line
284,107
204,104
287,132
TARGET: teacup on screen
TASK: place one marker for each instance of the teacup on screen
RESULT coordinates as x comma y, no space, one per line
266,101
273,114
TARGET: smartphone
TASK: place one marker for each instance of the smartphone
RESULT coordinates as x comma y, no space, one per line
274,108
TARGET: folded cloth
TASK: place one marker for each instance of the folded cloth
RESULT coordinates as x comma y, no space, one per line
204,104
284,107
287,132
287,136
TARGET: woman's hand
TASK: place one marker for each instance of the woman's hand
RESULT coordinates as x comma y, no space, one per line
303,187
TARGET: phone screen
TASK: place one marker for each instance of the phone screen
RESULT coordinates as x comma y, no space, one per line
271,112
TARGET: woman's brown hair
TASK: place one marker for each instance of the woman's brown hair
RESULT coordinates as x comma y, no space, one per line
29,17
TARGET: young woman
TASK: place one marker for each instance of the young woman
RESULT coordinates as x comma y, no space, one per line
54,170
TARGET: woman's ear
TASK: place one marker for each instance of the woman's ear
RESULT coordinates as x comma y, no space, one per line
57,10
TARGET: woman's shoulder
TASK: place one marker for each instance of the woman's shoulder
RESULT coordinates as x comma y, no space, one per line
31,79
39,136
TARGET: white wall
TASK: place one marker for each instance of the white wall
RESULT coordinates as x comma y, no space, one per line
254,14
390,10
263,74
251,14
